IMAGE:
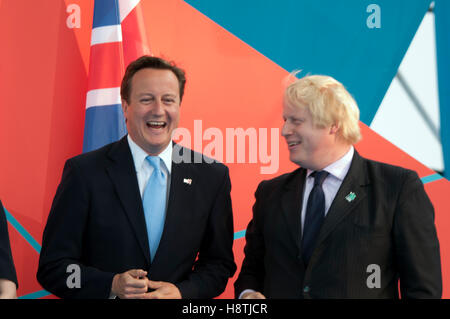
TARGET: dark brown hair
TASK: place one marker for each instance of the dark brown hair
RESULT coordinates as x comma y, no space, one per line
151,63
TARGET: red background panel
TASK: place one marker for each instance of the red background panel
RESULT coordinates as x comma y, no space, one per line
43,83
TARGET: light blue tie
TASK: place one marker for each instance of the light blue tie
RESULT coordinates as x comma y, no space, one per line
154,203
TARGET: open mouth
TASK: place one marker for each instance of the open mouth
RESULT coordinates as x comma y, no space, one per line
293,144
156,124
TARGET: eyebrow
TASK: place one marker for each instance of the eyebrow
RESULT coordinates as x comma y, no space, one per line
165,94
293,117
142,94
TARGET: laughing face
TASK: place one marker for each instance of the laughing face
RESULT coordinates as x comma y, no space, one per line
153,111
309,146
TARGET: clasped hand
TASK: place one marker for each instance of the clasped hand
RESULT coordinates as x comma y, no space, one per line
134,284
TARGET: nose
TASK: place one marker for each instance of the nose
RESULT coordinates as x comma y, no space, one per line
158,107
286,129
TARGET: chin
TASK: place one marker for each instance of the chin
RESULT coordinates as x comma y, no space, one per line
160,144
302,163
295,161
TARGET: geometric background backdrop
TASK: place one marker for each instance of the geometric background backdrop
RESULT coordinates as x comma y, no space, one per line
236,55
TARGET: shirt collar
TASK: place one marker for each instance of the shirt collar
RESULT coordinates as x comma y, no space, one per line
139,155
340,168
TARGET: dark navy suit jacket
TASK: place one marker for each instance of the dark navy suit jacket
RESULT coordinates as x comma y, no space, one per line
97,222
389,224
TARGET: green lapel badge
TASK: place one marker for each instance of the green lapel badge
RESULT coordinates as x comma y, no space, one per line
350,197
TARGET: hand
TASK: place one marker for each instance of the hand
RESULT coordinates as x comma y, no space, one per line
253,295
163,290
7,289
131,284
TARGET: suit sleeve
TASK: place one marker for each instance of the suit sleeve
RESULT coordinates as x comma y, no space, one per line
62,243
252,271
215,262
7,269
416,242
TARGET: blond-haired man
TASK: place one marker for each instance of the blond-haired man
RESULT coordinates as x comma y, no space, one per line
341,226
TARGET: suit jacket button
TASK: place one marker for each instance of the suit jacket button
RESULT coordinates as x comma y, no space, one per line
306,289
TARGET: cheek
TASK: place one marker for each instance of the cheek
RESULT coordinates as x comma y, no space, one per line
311,143
321,143
174,117
137,114
136,120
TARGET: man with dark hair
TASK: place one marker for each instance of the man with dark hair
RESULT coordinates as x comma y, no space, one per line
132,222
8,277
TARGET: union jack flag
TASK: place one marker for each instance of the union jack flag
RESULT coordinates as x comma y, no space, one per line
118,37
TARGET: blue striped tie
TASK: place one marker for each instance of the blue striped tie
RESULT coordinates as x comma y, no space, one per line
154,202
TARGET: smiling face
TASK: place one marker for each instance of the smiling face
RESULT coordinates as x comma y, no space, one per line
153,110
309,146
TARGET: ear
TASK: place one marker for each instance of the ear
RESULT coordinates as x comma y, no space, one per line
334,129
124,106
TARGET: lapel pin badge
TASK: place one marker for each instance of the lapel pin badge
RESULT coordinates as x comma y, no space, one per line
350,197
187,181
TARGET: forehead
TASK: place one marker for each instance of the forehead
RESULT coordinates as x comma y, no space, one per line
155,79
298,110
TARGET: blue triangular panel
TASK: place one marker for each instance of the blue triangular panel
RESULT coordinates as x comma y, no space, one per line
327,37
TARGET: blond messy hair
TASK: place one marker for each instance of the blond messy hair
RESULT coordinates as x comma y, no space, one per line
328,102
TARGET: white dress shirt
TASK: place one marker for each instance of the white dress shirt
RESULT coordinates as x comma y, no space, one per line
337,172
143,168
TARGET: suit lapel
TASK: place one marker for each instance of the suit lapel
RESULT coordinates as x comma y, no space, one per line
291,203
123,175
343,204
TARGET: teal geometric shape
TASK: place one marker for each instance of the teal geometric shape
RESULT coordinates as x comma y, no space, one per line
36,295
22,231
431,178
326,37
239,234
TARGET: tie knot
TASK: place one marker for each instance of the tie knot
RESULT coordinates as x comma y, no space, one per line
319,177
154,161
